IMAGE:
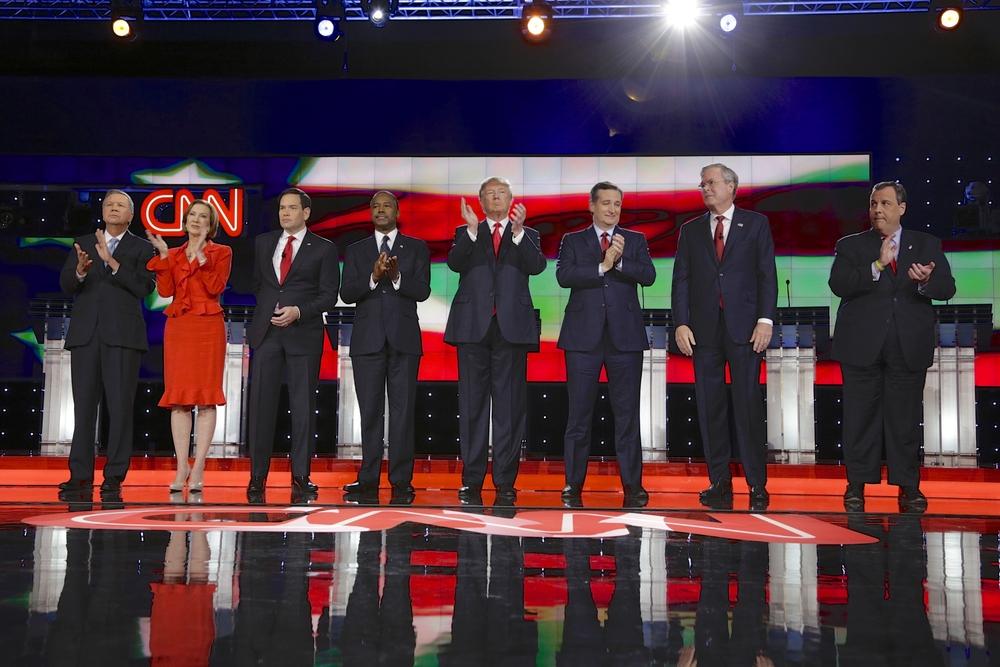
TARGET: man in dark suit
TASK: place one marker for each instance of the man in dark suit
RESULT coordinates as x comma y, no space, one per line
884,341
296,278
386,274
602,326
106,339
492,323
724,300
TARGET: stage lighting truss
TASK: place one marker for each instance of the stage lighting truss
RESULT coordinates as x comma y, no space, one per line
431,10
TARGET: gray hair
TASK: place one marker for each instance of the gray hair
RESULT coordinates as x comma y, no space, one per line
728,174
131,204
494,179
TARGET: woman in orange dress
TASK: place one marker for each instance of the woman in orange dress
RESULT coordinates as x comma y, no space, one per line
194,339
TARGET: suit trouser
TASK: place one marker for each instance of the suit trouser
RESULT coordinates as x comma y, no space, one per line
380,631
583,372
492,371
273,624
711,354
393,373
96,368
271,362
883,401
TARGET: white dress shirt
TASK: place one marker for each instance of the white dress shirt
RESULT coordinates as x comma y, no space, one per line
280,248
516,238
391,236
600,232
727,224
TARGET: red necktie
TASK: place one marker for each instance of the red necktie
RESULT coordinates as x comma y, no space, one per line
286,261
605,244
720,246
496,239
720,243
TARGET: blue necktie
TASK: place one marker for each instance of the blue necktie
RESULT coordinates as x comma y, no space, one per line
112,245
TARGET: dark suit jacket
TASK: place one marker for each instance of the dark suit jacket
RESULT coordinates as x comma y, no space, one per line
745,278
482,275
311,284
611,299
867,305
386,313
106,304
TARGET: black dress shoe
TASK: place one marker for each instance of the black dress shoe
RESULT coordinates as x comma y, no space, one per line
854,497
256,485
719,494
571,491
636,496
76,484
402,494
360,487
759,498
506,493
911,500
111,485
470,495
302,484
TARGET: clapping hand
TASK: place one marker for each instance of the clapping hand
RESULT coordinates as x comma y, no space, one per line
381,267
920,273
83,261
158,243
392,268
614,252
470,218
102,246
518,214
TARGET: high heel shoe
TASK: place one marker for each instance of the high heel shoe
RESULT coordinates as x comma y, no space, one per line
195,483
178,484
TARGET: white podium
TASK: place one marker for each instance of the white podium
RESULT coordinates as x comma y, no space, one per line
950,388
791,378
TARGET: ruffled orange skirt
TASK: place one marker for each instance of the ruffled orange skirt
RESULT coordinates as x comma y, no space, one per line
194,353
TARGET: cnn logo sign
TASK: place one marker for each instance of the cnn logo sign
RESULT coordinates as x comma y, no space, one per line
230,215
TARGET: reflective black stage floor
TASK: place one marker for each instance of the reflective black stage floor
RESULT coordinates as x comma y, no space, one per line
285,585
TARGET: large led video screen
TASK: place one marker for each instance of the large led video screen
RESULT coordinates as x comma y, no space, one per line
810,200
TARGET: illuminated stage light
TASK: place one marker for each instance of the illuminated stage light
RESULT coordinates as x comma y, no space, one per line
949,18
681,13
329,19
122,28
125,18
379,11
329,30
536,21
728,23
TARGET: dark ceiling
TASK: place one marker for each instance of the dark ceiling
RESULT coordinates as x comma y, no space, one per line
771,46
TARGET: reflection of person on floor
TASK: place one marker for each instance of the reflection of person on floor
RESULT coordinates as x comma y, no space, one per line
182,622
887,622
381,632
488,624
714,643
95,620
273,619
621,640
